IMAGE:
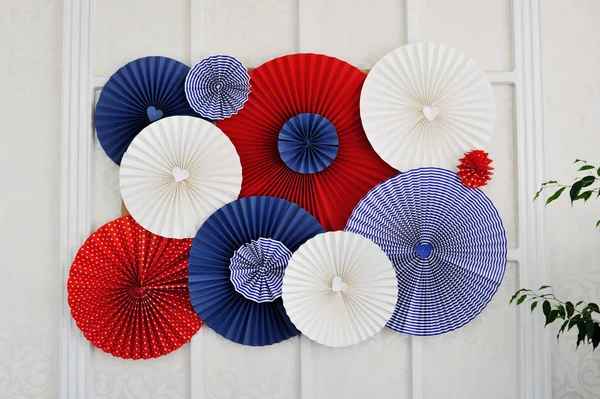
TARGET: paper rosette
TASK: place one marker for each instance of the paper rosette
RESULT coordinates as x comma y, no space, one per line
141,92
446,241
426,104
217,87
128,291
339,289
176,173
215,298
300,138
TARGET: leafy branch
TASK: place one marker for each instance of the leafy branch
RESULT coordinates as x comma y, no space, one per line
579,314
582,188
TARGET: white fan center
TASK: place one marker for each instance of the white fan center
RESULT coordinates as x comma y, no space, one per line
431,112
338,285
180,174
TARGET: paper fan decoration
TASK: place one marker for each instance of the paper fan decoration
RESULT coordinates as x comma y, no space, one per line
128,291
140,93
217,87
474,169
425,104
446,241
176,173
265,230
339,289
300,138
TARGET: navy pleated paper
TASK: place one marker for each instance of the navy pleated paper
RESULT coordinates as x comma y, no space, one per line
308,143
141,92
212,293
447,244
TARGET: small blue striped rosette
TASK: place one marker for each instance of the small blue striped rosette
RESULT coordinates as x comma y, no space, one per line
257,269
446,241
217,87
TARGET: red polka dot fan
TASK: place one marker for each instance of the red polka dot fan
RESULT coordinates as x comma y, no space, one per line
128,291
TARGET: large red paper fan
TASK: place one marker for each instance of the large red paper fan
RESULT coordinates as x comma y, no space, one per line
286,90
128,291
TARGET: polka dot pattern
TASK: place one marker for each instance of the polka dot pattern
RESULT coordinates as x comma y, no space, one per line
128,291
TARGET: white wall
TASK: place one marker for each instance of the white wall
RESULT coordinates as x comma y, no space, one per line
477,360
30,57
572,126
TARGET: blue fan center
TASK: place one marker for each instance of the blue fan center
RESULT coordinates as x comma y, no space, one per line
423,250
257,269
308,143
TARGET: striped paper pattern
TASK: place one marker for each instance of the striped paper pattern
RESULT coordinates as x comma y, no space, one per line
446,288
257,269
217,87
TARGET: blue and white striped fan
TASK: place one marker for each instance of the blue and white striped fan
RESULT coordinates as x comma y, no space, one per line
447,244
217,87
257,269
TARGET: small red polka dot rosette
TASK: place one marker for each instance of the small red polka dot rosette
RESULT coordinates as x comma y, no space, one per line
474,169
128,291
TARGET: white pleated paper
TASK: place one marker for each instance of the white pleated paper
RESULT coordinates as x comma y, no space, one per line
426,104
176,173
349,310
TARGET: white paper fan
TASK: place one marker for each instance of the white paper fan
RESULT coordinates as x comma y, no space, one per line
426,104
176,173
339,289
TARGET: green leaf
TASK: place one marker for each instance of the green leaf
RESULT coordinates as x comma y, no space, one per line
555,195
533,305
546,308
586,167
564,325
598,172
538,193
551,317
582,331
584,196
520,301
580,160
578,303
588,181
575,189
574,320
543,287
561,311
570,309
549,182
598,222
590,327
596,337
516,295
593,307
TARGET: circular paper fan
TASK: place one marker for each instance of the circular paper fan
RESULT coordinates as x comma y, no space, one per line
446,242
426,104
141,92
128,291
176,173
217,87
238,225
339,289
300,138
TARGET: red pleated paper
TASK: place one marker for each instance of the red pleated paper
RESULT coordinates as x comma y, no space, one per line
292,85
128,291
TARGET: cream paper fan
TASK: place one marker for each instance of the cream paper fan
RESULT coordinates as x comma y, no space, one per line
426,104
176,173
339,289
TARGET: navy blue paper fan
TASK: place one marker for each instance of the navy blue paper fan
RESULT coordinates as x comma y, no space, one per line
214,296
139,93
446,241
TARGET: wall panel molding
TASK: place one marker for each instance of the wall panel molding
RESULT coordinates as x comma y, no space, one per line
77,141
